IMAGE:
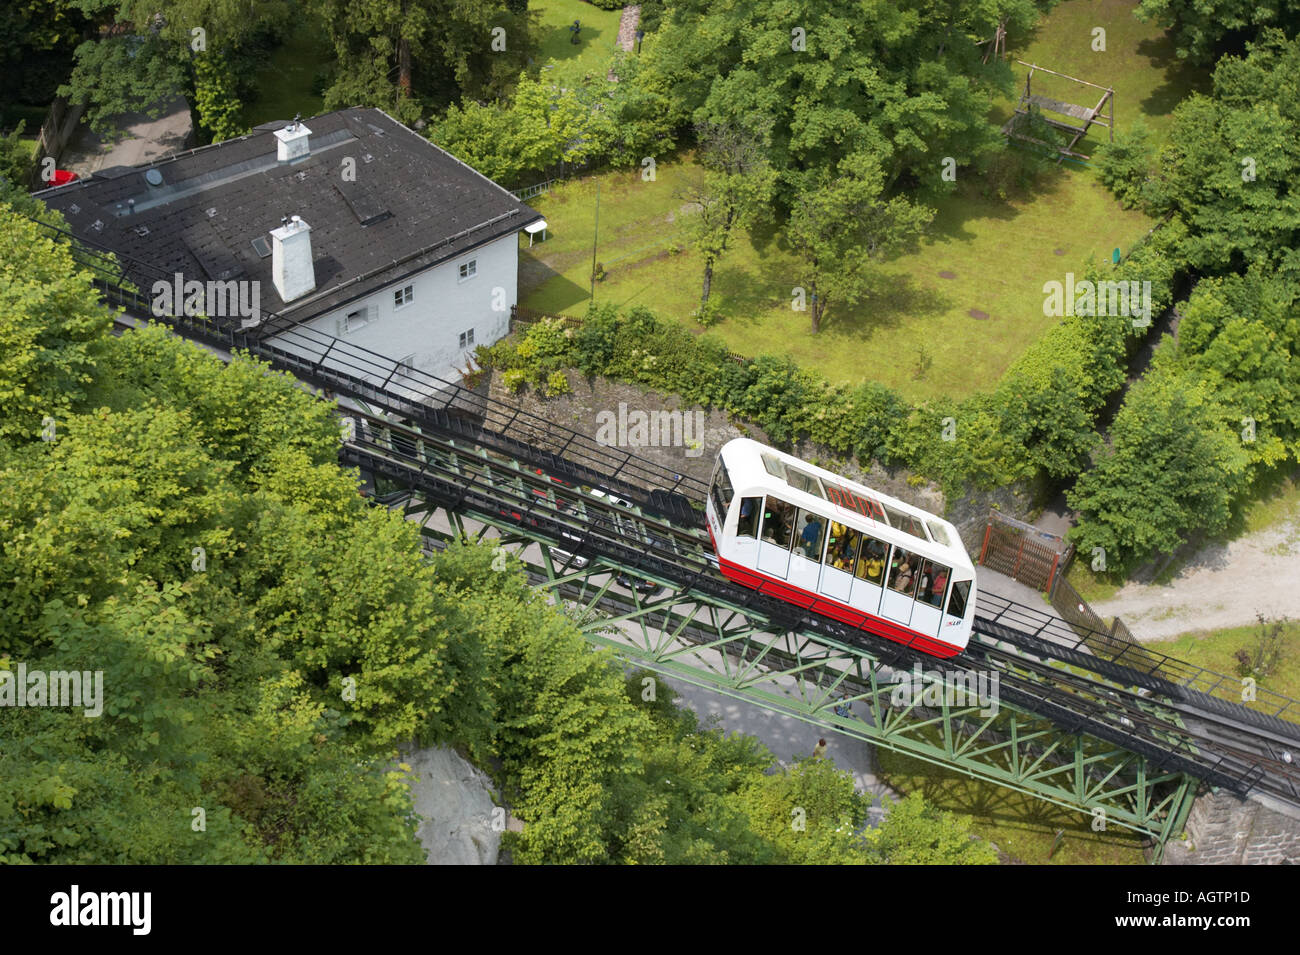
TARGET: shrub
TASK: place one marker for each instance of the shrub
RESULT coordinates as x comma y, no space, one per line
15,158
1124,165
557,383
515,379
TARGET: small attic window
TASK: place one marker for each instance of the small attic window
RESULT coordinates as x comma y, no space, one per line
261,247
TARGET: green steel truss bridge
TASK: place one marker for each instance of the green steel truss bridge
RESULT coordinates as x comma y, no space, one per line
1114,732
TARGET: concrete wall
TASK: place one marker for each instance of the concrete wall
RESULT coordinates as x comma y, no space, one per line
1225,830
443,306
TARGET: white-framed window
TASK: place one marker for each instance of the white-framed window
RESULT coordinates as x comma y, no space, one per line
468,269
467,338
407,365
355,320
403,296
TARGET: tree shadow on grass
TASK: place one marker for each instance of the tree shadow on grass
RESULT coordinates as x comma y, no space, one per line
977,197
1181,79
982,800
892,300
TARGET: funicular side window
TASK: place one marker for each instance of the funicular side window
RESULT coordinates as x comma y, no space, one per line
933,582
778,522
960,595
872,565
903,574
722,490
842,548
747,521
812,530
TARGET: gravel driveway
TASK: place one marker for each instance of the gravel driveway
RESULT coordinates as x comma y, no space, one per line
1224,585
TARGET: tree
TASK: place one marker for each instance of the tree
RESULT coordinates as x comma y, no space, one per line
147,70
903,84
50,325
914,833
406,55
125,74
1267,647
1204,28
811,813
1125,165
840,224
1240,335
216,100
1172,469
1232,162
15,159
37,37
733,192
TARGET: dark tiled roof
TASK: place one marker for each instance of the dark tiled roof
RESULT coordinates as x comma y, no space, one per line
412,205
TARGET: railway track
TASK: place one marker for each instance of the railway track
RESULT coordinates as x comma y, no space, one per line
1138,710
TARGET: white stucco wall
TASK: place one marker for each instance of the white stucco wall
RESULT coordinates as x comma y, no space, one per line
443,306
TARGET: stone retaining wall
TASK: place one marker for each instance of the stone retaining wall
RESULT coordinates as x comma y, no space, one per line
1225,830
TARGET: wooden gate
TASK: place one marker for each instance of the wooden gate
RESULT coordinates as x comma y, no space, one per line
1022,551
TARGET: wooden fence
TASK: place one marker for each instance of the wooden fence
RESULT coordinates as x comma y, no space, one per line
1105,641
1034,557
1023,552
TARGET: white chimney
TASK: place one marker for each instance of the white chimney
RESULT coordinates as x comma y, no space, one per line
292,272
293,142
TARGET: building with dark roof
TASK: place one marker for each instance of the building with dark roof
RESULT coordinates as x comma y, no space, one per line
348,223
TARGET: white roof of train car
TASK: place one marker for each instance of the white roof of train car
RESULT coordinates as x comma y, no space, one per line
743,457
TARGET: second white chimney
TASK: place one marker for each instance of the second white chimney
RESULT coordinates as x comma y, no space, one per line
292,272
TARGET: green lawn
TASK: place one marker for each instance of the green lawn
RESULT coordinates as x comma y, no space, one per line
995,257
1021,826
1139,63
285,82
1214,649
921,332
1091,587
596,40
1279,504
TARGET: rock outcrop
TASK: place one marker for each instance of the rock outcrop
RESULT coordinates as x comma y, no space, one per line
462,823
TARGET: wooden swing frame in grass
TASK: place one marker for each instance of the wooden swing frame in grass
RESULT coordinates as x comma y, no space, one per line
1088,115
